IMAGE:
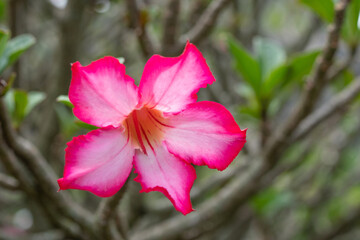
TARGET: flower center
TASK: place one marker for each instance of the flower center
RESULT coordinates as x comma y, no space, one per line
145,128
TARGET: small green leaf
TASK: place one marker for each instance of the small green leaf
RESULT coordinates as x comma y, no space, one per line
64,99
66,118
251,111
85,125
34,98
3,10
270,55
301,65
21,101
4,37
276,78
350,30
343,80
14,48
18,46
247,66
9,101
324,8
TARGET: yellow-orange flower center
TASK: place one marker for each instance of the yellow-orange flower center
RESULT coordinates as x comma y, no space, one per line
145,128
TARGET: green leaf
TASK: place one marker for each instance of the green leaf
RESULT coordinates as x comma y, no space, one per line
85,125
270,55
324,8
343,80
34,98
9,101
301,65
4,37
275,79
18,46
251,111
69,123
350,30
21,101
292,71
68,127
252,108
14,48
64,99
3,8
246,65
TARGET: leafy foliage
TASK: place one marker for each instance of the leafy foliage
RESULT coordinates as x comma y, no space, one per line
324,8
269,72
20,103
13,49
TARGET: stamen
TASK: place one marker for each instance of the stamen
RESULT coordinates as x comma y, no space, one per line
138,133
146,128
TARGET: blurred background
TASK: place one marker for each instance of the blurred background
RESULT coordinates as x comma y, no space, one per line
287,69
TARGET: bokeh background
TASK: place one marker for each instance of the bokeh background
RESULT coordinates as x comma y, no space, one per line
287,69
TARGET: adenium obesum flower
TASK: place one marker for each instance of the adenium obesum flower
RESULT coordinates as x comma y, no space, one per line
157,127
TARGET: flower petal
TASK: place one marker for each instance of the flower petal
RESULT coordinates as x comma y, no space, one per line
161,171
170,84
99,162
205,133
102,93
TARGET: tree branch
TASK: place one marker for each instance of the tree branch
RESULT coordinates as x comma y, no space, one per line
13,166
170,26
332,106
335,72
8,182
347,223
42,172
205,23
139,26
197,193
315,85
107,211
236,193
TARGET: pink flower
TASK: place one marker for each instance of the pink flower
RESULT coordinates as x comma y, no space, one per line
158,127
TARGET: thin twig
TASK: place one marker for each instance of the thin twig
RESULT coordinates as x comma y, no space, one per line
139,26
119,224
205,23
13,166
332,106
335,72
107,211
170,26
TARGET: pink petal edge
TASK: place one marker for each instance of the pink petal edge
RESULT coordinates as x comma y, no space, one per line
102,94
205,133
169,84
98,162
163,172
